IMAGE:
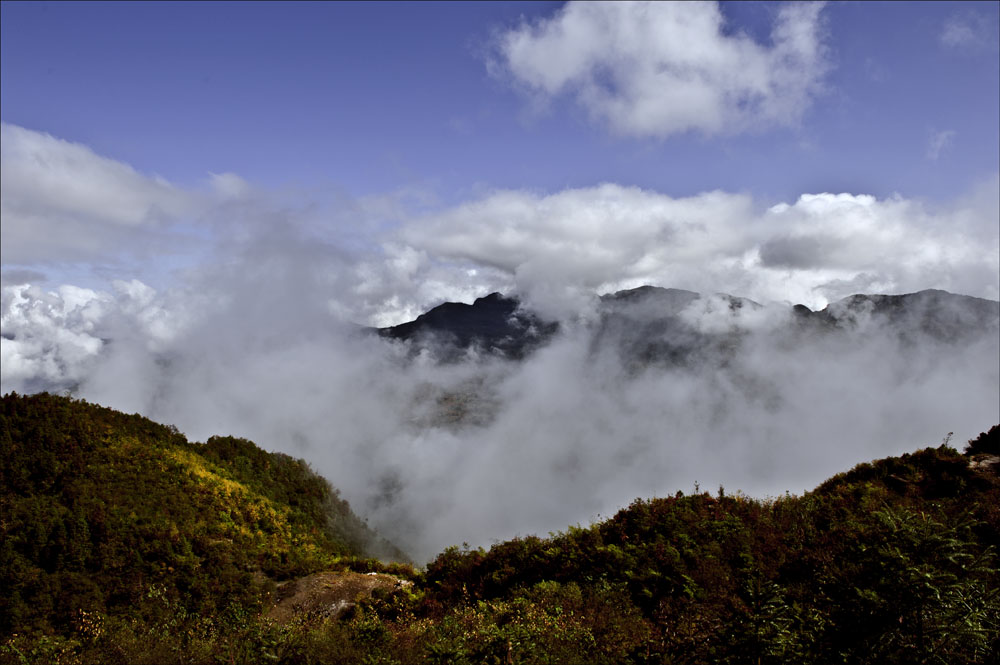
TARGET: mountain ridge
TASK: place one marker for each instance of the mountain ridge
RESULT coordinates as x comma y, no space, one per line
499,325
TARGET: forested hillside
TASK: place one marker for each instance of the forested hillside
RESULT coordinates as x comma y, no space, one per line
125,543
102,510
892,562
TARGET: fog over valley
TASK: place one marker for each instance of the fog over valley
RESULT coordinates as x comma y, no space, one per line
439,444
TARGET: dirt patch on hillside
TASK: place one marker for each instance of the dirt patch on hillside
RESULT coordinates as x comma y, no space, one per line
328,594
985,462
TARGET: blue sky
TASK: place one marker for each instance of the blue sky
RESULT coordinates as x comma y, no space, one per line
374,119
372,97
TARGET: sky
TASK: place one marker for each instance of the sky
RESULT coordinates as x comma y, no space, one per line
370,98
370,117
200,201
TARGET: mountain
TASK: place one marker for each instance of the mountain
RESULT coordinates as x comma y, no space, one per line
654,324
943,316
494,324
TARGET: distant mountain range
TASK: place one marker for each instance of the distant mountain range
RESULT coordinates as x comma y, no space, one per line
653,323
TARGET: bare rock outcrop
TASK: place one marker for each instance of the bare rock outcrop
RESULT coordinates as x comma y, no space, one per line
328,595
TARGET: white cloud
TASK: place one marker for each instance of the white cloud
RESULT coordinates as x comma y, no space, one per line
373,261
939,142
229,185
49,338
971,31
957,33
661,68
56,338
62,201
815,249
69,178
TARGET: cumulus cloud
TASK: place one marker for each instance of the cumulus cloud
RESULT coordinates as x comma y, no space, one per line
610,237
375,261
49,338
661,68
63,202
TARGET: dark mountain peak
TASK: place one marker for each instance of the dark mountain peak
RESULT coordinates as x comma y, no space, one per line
483,311
885,303
649,325
495,297
449,314
493,322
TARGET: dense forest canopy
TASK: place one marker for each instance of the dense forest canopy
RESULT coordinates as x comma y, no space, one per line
100,508
124,542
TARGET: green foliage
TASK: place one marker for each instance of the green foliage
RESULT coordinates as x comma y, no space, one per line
99,506
893,561
919,590
124,543
987,443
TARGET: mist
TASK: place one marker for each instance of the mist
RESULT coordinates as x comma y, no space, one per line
483,449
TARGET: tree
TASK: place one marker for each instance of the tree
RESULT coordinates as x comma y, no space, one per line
918,591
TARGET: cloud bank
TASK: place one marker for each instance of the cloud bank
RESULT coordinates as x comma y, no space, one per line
383,260
63,202
819,248
652,69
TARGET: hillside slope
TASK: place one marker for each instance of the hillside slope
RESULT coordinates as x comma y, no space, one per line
892,562
125,543
101,509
